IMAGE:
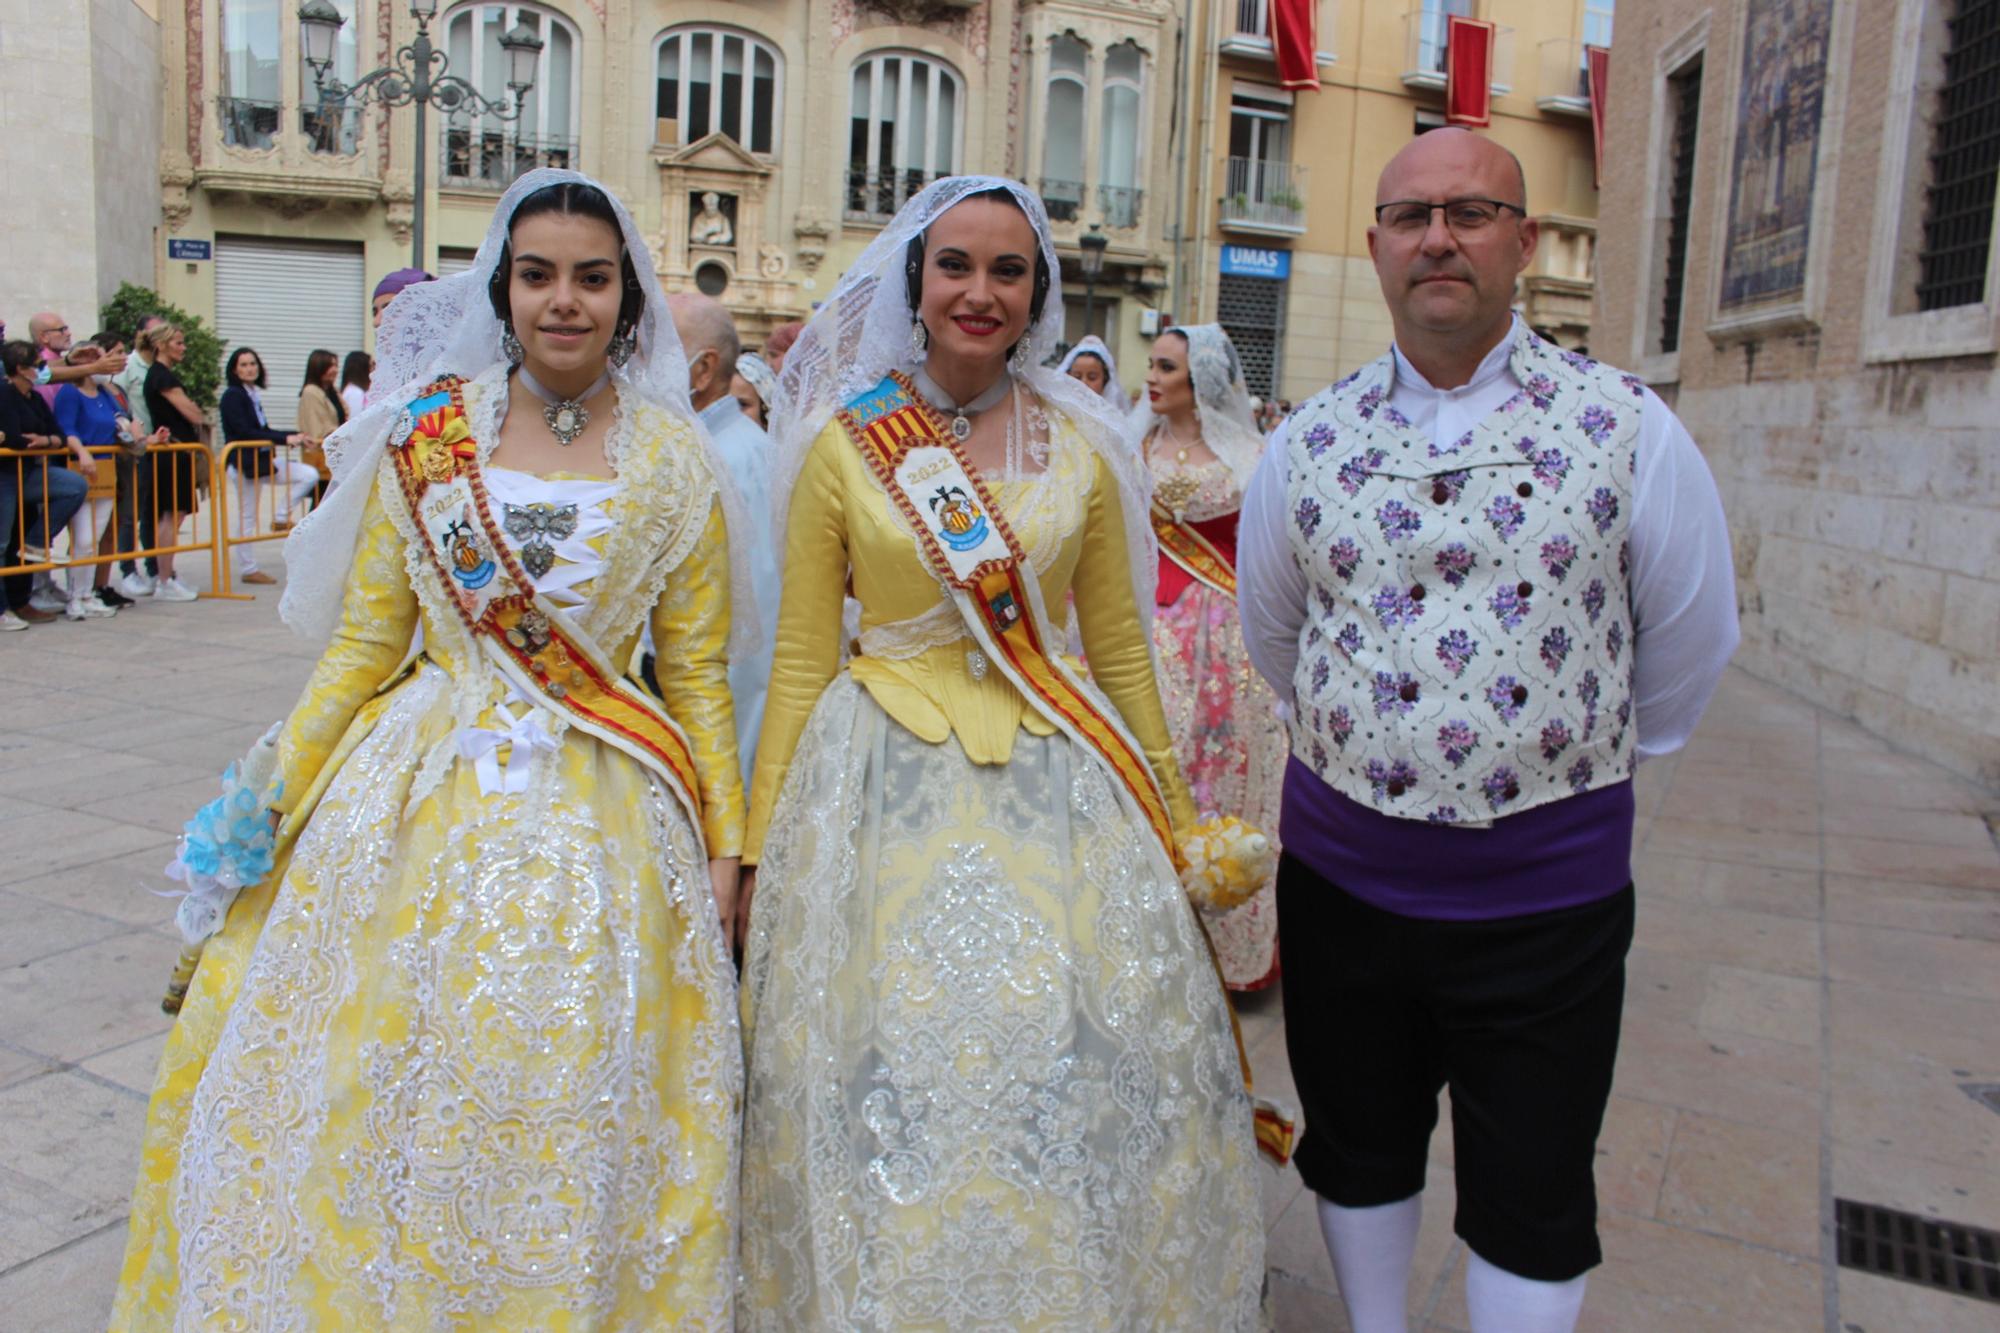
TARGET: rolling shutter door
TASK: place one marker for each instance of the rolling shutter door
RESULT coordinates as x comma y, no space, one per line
286,298
452,260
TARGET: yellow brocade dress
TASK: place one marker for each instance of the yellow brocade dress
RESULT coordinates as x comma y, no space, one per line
990,1077
469,1056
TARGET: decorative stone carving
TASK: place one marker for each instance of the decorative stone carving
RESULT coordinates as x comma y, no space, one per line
401,209
711,225
812,229
771,261
716,232
175,205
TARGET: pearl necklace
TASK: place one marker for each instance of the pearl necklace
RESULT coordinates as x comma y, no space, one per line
566,416
961,413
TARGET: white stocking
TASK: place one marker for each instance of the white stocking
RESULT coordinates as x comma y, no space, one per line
1372,1249
1501,1302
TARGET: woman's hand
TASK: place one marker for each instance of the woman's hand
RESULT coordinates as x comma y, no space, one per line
86,463
745,891
160,436
722,873
295,438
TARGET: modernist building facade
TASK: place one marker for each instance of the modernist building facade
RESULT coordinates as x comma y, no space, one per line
1812,282
763,143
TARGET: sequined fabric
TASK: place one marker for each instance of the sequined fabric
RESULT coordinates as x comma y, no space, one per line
470,1057
1225,726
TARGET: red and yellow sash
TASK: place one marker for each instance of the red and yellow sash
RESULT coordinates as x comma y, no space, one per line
966,541
531,640
1193,552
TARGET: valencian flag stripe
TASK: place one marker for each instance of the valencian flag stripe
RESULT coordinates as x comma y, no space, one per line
1468,71
1295,35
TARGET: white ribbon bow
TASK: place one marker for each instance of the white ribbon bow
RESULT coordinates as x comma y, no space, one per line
480,745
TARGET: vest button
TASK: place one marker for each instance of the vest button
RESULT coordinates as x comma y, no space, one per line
1513,790
1520,694
1524,588
1396,789
1440,493
1524,490
1408,693
1416,592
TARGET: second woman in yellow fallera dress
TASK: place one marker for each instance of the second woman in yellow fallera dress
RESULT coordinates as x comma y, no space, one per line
991,1081
469,1057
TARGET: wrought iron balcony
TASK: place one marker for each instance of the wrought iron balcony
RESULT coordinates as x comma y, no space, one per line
1264,196
332,128
1063,199
1423,66
1564,84
492,159
248,122
1119,205
874,196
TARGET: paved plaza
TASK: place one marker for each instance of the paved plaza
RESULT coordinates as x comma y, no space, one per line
1816,974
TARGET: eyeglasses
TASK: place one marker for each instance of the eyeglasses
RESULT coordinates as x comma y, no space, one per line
1412,217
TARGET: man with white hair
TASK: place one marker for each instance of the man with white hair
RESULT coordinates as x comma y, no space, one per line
708,335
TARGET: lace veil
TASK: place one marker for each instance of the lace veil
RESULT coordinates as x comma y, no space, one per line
1221,400
448,327
862,332
1114,392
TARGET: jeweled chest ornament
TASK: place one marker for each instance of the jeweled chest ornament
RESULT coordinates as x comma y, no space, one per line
538,527
566,417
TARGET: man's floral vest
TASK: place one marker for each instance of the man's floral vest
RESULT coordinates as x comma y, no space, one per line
1468,650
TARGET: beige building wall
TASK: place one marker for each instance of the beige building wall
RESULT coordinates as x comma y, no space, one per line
1853,441
1366,109
78,88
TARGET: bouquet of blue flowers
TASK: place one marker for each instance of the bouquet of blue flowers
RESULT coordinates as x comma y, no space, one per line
227,847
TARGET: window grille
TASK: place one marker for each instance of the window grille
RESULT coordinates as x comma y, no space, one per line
1684,89
1252,311
1965,155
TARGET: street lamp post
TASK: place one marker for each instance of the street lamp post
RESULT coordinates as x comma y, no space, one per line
1090,252
416,78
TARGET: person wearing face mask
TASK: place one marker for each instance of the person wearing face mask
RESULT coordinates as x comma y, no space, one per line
1194,432
1091,362
708,336
1489,576
982,1028
466,1047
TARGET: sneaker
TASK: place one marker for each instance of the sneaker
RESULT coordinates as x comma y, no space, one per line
136,584
11,623
257,576
113,598
48,599
89,608
173,590
36,555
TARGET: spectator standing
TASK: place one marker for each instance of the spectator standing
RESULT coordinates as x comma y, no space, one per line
321,413
52,343
392,286
135,477
355,373
36,499
779,343
243,419
178,478
89,416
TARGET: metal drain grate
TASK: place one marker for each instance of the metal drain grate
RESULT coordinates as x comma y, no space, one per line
1950,1256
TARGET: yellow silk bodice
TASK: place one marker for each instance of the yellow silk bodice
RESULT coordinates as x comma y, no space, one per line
667,547
916,661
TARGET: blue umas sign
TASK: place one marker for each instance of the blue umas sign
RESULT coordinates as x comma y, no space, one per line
1250,261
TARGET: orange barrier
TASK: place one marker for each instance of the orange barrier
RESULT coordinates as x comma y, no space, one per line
107,455
268,483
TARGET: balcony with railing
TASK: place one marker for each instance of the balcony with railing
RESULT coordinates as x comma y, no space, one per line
1264,196
1120,206
1556,290
1424,61
1063,199
332,128
249,122
874,196
1563,86
1251,35
482,158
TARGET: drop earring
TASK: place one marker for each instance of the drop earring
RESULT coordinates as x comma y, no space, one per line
622,347
510,346
1020,359
920,341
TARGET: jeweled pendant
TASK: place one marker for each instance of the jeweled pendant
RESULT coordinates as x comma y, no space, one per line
566,420
975,662
961,428
538,557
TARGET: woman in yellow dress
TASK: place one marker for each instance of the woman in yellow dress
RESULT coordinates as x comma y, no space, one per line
990,1074
468,1055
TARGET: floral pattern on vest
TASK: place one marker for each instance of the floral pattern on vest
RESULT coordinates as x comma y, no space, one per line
1467,654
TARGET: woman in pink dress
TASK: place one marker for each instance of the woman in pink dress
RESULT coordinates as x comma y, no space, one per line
1194,430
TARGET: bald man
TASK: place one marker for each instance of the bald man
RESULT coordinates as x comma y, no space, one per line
708,336
1489,576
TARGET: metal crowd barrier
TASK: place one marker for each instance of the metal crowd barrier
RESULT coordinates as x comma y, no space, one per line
17,460
267,491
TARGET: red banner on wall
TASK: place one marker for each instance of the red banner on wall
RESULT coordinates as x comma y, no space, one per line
1468,71
1295,35
1597,65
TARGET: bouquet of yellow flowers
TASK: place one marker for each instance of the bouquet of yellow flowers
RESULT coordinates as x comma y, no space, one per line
1224,861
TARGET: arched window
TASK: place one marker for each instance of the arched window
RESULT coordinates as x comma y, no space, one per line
1118,157
903,129
485,152
708,79
1062,148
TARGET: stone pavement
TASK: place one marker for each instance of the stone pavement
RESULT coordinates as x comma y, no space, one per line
1815,973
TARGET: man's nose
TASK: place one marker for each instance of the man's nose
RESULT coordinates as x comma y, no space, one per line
1439,239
